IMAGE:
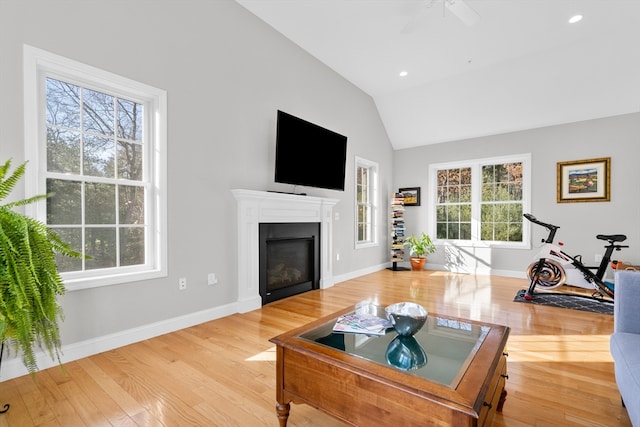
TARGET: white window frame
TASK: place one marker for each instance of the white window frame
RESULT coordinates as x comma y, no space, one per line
38,65
373,201
476,192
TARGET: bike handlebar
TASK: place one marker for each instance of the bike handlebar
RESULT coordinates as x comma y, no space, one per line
536,221
552,228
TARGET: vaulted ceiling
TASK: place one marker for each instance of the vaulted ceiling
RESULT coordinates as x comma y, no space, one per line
474,67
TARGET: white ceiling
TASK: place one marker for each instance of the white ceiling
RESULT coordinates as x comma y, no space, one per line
520,66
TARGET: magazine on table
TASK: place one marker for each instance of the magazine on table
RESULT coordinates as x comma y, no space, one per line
368,324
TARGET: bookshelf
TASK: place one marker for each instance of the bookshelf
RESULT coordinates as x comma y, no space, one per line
397,231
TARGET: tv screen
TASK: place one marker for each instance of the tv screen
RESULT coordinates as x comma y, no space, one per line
309,155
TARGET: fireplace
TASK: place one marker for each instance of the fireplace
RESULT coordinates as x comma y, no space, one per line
289,259
258,207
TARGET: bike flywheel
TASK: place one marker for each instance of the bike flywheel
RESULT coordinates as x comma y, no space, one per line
551,275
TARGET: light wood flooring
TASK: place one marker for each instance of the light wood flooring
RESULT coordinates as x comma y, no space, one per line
222,373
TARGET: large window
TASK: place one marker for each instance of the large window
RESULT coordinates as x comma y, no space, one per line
366,196
98,149
481,201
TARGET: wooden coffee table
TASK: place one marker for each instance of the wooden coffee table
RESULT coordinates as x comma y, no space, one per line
351,376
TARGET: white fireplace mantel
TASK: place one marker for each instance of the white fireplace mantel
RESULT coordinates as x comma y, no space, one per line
255,207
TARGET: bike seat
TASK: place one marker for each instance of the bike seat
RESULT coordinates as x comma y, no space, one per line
612,237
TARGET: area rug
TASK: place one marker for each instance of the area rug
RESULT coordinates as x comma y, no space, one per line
571,301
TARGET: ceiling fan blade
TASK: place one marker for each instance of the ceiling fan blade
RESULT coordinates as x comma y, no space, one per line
463,11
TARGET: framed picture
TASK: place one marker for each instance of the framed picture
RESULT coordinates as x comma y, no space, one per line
411,196
584,180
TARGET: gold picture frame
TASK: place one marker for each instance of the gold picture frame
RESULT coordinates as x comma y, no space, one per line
586,180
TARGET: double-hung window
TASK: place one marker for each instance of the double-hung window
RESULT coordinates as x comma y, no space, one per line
481,201
96,143
366,196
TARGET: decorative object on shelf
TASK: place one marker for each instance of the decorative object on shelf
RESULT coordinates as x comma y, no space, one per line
407,317
397,231
419,247
29,279
584,180
411,196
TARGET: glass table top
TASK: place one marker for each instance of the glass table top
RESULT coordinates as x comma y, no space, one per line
440,351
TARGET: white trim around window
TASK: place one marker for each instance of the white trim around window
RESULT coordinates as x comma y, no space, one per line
370,205
476,166
39,65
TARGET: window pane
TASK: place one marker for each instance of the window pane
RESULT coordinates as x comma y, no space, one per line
515,213
453,213
465,231
486,213
441,231
452,231
65,206
465,193
63,151
98,112
131,246
465,176
73,236
488,192
129,161
465,213
486,231
131,204
100,244
453,177
501,213
129,120
98,156
63,104
452,195
100,203
515,232
501,232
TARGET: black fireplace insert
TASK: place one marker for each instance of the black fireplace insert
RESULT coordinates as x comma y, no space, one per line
289,259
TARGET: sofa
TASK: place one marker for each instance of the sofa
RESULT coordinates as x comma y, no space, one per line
625,341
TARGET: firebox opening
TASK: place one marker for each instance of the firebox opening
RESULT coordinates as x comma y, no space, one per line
289,259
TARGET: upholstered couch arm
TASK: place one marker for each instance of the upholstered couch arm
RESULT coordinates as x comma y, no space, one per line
627,302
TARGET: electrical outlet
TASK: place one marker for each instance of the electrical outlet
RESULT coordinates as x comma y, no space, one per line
182,283
212,279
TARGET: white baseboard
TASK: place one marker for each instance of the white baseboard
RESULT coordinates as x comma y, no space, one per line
13,368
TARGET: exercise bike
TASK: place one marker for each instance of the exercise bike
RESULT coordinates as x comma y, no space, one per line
554,267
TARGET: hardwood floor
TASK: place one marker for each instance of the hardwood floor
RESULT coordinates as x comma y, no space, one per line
222,373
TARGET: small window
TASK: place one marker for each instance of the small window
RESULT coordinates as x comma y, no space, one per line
366,196
99,149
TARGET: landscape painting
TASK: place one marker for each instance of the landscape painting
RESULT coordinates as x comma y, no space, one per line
584,180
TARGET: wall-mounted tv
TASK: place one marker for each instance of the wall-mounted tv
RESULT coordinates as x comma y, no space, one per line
309,155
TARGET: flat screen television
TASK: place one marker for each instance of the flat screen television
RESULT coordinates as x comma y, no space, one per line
309,155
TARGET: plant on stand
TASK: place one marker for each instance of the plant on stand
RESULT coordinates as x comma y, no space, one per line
419,248
29,278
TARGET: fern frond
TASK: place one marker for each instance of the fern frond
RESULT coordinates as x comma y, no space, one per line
29,278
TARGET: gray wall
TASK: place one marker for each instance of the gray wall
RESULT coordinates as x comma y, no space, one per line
226,74
616,137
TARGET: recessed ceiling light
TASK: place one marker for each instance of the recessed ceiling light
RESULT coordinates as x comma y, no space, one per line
404,73
575,18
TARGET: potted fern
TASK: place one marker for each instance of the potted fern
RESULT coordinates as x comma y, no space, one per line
419,247
29,279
